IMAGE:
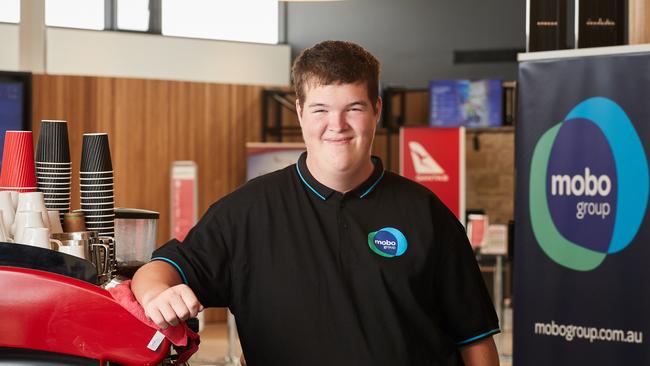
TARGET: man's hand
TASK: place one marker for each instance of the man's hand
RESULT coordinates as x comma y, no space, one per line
171,306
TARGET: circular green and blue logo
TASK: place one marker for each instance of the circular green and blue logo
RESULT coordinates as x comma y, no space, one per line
588,185
387,242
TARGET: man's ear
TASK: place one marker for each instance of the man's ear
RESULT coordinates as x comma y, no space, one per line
299,111
378,108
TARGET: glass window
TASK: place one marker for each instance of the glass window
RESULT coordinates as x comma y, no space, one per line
85,14
10,11
231,20
133,15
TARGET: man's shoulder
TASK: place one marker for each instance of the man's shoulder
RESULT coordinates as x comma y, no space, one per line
420,197
406,186
268,181
257,189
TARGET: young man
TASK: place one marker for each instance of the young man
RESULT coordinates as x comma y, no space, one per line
331,261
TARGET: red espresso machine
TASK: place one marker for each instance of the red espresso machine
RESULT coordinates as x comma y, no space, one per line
53,312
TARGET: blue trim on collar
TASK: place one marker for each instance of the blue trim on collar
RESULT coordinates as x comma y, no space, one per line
178,268
493,331
307,184
373,185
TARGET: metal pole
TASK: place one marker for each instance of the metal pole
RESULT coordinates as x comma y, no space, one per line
232,338
498,286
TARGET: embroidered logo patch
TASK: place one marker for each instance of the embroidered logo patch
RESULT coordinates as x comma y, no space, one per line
387,242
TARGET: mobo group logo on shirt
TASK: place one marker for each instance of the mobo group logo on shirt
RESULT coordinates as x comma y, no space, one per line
387,242
588,185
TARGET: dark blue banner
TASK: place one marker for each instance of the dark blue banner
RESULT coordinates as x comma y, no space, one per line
582,237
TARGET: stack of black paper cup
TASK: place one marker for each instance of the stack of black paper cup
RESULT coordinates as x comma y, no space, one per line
53,166
96,187
96,183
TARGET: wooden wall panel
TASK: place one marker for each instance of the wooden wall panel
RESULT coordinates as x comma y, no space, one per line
490,170
639,22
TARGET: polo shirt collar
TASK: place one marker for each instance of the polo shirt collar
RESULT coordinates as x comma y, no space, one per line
323,192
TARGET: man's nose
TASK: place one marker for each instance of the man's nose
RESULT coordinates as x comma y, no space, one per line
337,122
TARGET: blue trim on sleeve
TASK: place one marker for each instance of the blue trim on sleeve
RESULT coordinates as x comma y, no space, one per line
493,331
178,268
308,186
372,186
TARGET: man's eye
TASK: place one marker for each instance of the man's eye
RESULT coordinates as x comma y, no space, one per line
319,111
355,109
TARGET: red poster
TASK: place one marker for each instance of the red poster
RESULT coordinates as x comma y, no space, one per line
435,158
183,198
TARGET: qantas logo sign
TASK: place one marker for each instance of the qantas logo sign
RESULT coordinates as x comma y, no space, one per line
426,168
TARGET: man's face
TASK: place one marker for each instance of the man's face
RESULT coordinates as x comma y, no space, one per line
338,125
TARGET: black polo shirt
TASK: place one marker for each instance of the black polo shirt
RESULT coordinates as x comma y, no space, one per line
381,275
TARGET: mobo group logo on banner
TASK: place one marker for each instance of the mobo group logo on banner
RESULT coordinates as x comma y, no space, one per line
588,185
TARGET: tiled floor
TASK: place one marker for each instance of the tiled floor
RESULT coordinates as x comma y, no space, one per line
214,347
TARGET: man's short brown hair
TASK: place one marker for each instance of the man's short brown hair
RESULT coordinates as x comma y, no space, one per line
335,62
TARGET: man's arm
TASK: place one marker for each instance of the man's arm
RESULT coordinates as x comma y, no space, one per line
480,353
165,299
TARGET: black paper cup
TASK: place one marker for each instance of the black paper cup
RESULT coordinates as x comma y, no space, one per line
103,202
87,197
94,213
95,181
52,164
53,144
61,179
100,224
51,188
62,201
96,200
51,175
57,206
42,176
54,182
55,194
105,183
53,170
99,210
101,207
97,188
99,216
100,202
54,188
95,153
94,190
91,175
54,199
